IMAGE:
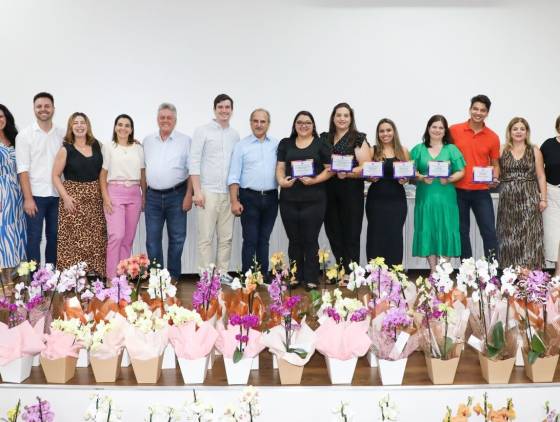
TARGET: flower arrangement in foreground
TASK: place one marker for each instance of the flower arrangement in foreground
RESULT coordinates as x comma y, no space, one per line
102,409
246,410
484,409
341,413
551,414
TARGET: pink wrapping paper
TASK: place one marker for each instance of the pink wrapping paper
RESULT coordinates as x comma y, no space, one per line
344,340
303,338
190,343
226,342
60,345
145,346
113,342
19,341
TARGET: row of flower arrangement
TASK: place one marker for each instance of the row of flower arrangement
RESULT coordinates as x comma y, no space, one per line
381,314
247,409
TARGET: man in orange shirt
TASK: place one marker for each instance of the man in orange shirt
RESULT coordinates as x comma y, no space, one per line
481,148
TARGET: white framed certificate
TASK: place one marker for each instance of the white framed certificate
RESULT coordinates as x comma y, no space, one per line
439,169
404,169
342,163
372,169
483,174
302,168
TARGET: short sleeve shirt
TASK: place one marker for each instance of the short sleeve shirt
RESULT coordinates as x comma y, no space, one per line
123,163
478,149
551,155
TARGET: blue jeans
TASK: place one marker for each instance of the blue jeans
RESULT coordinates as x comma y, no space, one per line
166,208
47,210
257,222
480,202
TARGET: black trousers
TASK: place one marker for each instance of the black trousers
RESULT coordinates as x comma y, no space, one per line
302,221
343,218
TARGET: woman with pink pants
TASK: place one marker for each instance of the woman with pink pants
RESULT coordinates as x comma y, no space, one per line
123,186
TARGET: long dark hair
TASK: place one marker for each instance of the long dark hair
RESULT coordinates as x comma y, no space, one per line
294,135
131,136
10,131
447,139
397,146
352,131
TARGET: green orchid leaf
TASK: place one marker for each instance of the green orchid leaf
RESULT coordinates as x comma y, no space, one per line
300,352
537,345
498,339
532,357
237,355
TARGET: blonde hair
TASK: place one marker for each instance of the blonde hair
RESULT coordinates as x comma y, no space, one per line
69,137
397,147
509,141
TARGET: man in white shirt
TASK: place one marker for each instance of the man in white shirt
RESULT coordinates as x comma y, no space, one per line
209,165
169,193
36,147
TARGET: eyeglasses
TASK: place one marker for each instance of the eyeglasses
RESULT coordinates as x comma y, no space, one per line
298,123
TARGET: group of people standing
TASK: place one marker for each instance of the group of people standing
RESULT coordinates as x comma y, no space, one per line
104,187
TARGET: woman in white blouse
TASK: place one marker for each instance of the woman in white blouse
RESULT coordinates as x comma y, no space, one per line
123,186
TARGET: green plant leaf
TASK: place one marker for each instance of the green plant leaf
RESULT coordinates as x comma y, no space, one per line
315,297
492,351
448,346
237,355
498,339
537,345
300,352
532,357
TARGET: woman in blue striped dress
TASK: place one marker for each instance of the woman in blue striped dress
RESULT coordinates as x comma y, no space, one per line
12,222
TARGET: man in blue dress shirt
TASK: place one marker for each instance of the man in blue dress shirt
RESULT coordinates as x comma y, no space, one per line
253,189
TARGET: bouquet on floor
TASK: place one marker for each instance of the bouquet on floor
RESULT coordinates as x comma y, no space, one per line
191,337
537,313
135,269
289,338
493,325
441,314
247,409
102,409
147,332
206,297
344,325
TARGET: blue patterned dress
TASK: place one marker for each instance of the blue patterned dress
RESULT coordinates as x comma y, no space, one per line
12,221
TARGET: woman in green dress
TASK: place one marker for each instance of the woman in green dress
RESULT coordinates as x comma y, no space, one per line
436,215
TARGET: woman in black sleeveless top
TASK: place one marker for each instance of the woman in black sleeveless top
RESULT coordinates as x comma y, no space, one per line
386,200
82,233
345,190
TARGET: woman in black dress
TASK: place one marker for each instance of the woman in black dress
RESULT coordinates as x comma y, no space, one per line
345,190
301,170
386,200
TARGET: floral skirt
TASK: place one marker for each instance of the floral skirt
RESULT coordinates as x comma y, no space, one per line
82,235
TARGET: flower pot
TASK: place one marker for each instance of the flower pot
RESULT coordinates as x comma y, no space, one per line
442,371
83,359
496,371
238,373
18,370
341,371
542,370
274,362
211,358
519,361
255,364
37,360
59,371
194,370
106,370
290,373
147,371
372,359
392,371
169,361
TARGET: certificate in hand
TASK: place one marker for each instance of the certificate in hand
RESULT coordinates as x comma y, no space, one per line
483,174
302,168
439,169
342,163
403,169
372,169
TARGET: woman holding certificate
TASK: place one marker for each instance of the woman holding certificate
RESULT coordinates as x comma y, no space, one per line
302,168
386,200
345,190
439,164
522,199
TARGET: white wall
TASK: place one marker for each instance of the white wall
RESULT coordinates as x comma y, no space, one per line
405,59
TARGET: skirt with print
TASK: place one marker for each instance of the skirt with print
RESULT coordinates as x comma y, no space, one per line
82,235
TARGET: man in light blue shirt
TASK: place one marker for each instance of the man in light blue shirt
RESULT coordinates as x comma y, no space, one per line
253,189
169,193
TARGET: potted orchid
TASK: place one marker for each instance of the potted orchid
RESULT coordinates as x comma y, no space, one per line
162,413
463,413
106,347
490,414
540,339
551,414
290,341
342,336
493,325
102,409
205,296
246,410
198,410
341,413
192,340
388,409
13,413
39,412
135,269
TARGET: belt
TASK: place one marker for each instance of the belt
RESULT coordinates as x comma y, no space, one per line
177,187
126,183
261,192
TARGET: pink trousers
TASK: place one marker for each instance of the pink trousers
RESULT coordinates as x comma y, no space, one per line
121,224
